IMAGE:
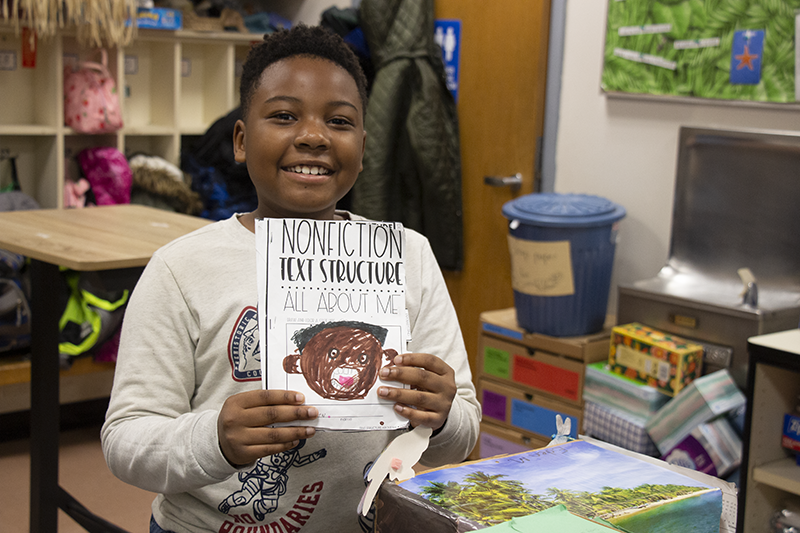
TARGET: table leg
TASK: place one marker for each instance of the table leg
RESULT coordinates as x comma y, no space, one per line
45,287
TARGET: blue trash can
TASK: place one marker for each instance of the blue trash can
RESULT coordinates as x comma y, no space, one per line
562,252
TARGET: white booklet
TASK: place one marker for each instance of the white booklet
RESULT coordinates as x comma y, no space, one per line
332,313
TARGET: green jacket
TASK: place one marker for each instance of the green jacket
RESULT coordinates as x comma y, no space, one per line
412,163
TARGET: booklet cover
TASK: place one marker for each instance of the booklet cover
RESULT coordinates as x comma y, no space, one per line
331,314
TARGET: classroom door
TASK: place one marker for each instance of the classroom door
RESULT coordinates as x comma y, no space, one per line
501,93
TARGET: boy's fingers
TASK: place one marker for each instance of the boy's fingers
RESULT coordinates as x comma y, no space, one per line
422,360
421,371
275,414
277,397
277,436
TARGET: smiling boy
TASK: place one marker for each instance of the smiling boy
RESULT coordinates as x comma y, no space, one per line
187,417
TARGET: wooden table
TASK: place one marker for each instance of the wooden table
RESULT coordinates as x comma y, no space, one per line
119,239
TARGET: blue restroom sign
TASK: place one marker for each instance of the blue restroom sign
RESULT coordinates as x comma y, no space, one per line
447,34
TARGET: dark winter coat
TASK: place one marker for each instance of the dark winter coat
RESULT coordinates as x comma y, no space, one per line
412,164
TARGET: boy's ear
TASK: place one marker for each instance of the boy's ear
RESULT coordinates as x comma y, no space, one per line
238,141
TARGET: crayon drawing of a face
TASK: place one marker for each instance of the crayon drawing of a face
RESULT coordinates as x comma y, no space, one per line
339,360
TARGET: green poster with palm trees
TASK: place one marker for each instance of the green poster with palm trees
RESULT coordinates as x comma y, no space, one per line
588,480
715,49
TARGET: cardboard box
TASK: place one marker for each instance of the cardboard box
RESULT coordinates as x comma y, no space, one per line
627,491
618,428
713,448
705,399
664,361
558,376
513,408
502,323
791,432
159,18
497,440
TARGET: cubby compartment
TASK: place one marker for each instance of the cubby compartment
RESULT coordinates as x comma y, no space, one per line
164,146
31,95
206,82
37,162
149,87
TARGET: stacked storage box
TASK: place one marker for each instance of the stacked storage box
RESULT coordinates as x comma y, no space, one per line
694,428
645,369
525,379
617,408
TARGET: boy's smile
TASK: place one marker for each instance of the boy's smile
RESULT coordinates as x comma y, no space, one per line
303,138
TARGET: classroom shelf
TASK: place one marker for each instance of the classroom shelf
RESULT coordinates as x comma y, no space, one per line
770,477
783,474
84,380
171,84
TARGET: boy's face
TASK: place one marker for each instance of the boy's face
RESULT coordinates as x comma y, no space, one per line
303,138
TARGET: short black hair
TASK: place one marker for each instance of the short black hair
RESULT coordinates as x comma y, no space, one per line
300,40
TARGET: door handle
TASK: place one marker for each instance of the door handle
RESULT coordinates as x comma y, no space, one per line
513,182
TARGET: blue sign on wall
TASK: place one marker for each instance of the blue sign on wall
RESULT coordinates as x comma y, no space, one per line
447,34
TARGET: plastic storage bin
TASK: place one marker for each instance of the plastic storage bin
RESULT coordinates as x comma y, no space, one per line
562,252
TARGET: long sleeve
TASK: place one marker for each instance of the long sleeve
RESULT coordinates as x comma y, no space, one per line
152,437
435,330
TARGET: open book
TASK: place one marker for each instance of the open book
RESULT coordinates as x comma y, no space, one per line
331,314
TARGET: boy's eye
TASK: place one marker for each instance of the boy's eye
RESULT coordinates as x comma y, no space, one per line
338,121
283,116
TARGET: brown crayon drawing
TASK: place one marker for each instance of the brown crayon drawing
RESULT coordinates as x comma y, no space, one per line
339,360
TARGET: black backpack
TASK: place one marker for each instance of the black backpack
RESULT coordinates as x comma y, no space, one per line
15,310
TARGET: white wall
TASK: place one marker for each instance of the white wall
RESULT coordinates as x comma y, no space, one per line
626,150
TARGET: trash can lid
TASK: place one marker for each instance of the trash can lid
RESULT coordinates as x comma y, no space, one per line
563,210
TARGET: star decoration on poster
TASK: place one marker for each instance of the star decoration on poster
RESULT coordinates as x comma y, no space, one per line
746,57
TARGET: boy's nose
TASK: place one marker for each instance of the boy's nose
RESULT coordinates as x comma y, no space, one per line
312,135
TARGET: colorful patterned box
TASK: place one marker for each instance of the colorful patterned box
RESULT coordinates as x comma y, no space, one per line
661,360
159,18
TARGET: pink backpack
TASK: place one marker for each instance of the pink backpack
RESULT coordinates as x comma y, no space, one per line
109,174
91,101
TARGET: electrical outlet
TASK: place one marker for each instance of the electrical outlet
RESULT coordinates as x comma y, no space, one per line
8,60
186,67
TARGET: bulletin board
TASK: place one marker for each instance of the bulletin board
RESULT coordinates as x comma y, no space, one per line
726,50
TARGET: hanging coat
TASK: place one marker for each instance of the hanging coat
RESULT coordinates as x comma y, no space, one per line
412,163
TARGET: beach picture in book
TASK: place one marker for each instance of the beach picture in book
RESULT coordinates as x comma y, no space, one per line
332,312
588,480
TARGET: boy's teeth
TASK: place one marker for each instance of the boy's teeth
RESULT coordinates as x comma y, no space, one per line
314,171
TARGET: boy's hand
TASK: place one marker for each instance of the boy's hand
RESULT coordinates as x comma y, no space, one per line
433,387
242,424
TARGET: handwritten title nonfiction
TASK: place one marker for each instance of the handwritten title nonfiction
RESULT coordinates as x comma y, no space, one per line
321,251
